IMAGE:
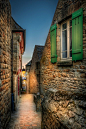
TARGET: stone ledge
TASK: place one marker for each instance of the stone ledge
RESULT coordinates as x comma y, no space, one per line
65,63
62,95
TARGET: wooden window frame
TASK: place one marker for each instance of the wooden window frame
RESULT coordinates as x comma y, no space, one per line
68,40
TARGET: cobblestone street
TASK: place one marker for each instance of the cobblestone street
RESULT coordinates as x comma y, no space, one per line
25,117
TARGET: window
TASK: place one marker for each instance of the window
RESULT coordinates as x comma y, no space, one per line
66,39
37,65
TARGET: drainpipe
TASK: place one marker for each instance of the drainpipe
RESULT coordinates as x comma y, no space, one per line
12,95
39,79
21,75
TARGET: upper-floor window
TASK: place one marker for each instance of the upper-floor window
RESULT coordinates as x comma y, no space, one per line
66,39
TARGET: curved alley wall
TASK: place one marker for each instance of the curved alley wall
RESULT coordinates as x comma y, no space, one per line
68,77
5,63
63,110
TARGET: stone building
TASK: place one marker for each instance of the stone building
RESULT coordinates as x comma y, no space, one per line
34,79
63,68
7,61
18,48
28,65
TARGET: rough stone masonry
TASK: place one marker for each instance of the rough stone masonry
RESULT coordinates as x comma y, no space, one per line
5,63
34,69
63,83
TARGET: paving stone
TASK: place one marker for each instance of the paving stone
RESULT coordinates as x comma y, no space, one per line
25,117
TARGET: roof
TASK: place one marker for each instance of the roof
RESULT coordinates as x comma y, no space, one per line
17,28
39,51
29,63
15,25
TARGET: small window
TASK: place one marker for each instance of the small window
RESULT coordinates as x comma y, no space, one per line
66,39
37,65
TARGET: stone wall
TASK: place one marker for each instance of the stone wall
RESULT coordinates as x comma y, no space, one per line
15,90
35,69
63,110
5,63
65,76
33,77
28,83
16,48
28,68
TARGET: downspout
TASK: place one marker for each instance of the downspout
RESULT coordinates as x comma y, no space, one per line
39,77
21,75
12,95
29,80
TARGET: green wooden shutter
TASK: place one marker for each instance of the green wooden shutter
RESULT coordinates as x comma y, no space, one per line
77,35
53,43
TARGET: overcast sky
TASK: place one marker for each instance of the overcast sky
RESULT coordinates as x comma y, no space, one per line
35,16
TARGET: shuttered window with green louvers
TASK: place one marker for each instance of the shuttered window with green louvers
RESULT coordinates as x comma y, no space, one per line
77,35
53,43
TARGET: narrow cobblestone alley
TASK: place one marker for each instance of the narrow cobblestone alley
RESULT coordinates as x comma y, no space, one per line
25,117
